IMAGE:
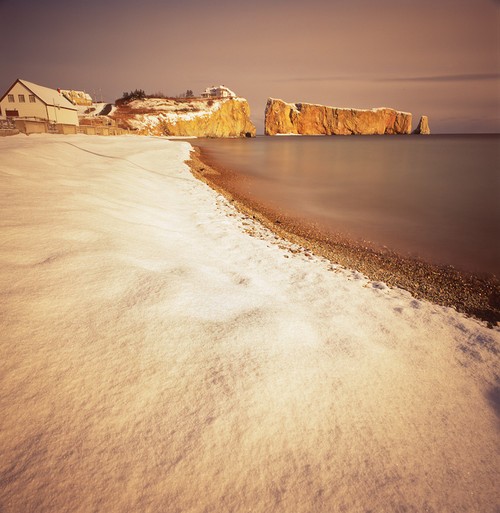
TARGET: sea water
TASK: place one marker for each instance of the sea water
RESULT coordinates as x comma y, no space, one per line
432,197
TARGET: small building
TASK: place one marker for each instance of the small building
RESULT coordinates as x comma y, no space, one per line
77,97
27,100
218,92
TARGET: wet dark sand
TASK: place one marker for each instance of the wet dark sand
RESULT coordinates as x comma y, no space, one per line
474,295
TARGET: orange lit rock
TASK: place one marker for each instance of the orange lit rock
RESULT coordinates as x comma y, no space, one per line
310,119
221,117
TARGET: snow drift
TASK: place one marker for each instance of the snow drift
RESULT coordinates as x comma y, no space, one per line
156,357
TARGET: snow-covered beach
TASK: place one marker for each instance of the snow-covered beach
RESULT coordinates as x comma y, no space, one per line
156,356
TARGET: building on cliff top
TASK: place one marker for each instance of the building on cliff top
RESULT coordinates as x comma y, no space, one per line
24,99
218,92
77,97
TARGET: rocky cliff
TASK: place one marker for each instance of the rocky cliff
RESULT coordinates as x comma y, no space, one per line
310,119
423,127
217,117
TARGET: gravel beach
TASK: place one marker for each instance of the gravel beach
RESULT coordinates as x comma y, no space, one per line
472,294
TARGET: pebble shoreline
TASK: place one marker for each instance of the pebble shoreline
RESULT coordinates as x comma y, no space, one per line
474,295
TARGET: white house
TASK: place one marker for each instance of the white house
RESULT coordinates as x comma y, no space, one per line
27,100
218,92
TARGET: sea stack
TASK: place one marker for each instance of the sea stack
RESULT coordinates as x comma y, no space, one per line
423,127
311,119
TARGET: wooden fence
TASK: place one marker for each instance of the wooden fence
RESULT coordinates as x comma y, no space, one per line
100,130
29,126
7,124
7,127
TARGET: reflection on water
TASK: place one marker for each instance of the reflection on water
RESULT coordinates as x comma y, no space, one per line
434,197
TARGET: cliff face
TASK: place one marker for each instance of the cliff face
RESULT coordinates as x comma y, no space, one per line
310,119
423,127
217,117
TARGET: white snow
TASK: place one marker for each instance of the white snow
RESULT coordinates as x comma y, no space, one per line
172,111
175,108
157,357
96,106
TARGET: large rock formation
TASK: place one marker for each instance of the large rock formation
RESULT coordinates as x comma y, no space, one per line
310,119
423,127
216,117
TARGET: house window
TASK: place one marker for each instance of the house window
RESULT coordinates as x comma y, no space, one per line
11,98
21,98
32,98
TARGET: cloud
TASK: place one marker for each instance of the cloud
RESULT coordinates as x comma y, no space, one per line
315,79
446,78
429,78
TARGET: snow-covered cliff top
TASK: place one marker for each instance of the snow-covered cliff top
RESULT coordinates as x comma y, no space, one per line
376,109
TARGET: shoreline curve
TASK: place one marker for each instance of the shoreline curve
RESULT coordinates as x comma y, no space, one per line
472,294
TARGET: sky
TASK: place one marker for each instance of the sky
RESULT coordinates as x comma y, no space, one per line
440,58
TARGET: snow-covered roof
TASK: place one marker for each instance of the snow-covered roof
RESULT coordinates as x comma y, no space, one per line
219,88
48,96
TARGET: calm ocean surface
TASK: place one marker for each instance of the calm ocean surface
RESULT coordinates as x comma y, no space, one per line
434,197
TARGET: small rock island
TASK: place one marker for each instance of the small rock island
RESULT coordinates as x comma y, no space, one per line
423,127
